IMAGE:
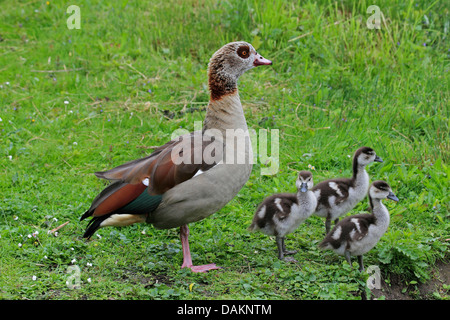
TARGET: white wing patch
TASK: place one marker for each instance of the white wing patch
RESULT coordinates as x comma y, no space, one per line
199,172
356,223
337,233
277,203
262,212
335,187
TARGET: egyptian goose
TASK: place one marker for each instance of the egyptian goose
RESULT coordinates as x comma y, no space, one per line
336,197
280,214
191,177
357,234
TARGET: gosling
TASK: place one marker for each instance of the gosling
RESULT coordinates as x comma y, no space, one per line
356,235
280,214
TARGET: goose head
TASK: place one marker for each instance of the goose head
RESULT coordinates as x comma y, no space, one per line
304,181
366,155
228,63
381,190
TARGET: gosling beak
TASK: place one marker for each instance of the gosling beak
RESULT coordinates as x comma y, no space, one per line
261,61
392,196
378,159
304,187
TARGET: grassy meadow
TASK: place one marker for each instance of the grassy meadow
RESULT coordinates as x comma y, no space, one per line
76,101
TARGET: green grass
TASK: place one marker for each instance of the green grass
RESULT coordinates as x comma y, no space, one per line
133,71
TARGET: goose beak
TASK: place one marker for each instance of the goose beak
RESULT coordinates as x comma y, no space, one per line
392,196
378,159
304,187
261,61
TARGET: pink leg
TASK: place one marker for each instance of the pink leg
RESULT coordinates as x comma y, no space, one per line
187,260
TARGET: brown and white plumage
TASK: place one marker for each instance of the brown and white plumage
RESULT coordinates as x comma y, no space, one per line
177,184
336,197
280,214
357,234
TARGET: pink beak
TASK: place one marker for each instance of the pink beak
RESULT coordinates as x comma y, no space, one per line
261,61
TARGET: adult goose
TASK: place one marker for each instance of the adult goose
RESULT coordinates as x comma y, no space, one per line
280,214
336,197
191,177
357,234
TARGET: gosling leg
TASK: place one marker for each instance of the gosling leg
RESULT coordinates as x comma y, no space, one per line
282,250
361,263
327,225
280,245
348,258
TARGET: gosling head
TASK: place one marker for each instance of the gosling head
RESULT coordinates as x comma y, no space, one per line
365,156
381,190
304,181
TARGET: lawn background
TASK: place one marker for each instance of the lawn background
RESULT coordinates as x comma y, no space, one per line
77,101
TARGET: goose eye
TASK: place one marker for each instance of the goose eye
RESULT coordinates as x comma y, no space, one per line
243,51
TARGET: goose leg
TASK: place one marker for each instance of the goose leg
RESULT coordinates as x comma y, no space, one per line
187,260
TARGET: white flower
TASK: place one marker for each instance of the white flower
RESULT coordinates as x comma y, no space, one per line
16,218
34,278
7,82
56,233
89,264
66,102
45,257
10,158
73,260
89,280
75,143
54,219
20,245
1,120
99,236
34,234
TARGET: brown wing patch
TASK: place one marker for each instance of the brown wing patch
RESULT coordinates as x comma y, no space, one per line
135,171
181,162
169,165
119,199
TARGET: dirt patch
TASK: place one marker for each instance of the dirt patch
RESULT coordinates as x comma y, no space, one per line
432,289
